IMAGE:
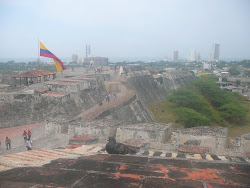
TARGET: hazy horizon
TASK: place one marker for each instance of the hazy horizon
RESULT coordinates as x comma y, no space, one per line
125,29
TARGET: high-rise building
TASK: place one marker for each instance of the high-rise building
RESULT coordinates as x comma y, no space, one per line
192,56
211,56
74,58
198,58
175,56
88,52
216,52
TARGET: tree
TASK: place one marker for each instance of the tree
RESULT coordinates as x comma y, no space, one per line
233,112
190,117
233,71
188,98
183,97
237,82
224,79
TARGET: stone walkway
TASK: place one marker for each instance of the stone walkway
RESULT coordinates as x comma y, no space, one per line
12,132
44,156
90,166
97,110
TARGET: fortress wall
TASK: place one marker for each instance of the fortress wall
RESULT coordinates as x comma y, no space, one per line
148,89
101,129
214,138
157,133
131,113
246,142
26,109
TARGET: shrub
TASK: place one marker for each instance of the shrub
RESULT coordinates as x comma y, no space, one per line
190,117
233,112
188,98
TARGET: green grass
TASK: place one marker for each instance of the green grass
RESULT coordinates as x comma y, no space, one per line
235,130
162,112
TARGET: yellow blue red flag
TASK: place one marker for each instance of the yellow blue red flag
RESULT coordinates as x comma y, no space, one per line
46,53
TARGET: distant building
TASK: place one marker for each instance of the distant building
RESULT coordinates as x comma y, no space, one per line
33,76
96,61
192,56
198,58
88,51
216,52
207,66
211,56
170,69
175,56
165,59
74,58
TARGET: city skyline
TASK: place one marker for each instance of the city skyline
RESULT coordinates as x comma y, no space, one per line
125,29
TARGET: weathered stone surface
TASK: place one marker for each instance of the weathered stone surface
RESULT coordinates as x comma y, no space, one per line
135,143
82,139
104,170
147,132
150,182
213,138
193,149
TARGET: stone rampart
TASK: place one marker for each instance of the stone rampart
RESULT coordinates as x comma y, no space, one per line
148,89
149,133
213,138
20,109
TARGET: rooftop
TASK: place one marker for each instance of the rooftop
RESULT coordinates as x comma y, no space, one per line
55,93
33,74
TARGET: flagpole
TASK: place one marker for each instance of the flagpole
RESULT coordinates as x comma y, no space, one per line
38,59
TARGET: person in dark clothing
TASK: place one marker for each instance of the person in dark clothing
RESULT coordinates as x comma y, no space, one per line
8,143
25,136
29,135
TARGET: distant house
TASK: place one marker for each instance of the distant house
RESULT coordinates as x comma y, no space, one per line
96,61
34,76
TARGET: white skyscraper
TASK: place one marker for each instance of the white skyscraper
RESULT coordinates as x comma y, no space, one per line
192,56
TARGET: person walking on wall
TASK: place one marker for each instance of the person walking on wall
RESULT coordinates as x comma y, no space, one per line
29,144
25,136
8,143
29,135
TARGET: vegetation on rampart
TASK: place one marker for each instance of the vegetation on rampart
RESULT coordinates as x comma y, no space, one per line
204,103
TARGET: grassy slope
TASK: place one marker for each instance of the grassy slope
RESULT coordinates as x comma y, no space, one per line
162,112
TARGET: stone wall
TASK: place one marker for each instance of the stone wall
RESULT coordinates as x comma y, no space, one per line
131,113
245,142
148,89
100,129
213,138
146,132
20,109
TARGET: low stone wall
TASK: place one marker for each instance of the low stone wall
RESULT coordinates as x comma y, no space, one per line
213,138
100,129
146,132
245,142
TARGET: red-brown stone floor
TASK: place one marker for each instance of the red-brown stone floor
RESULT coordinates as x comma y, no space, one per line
111,171
12,132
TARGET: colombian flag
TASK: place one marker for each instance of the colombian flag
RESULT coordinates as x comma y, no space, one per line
46,53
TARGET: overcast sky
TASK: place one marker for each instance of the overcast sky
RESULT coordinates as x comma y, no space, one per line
124,28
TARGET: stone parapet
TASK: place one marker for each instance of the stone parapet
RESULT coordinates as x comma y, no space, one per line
147,132
214,138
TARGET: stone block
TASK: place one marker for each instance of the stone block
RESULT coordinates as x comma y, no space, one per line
82,139
134,146
193,149
146,132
